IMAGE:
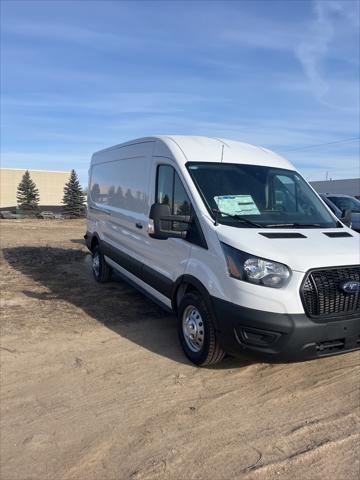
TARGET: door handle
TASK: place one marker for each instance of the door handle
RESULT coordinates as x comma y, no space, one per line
138,225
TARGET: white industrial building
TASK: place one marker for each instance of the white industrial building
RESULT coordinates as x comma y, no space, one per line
49,183
348,186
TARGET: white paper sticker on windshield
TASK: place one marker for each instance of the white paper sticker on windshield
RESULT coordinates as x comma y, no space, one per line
237,204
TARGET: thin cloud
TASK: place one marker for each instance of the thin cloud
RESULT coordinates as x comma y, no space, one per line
125,102
115,42
331,34
73,35
315,48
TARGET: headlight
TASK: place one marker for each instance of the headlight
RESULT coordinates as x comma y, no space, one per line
260,271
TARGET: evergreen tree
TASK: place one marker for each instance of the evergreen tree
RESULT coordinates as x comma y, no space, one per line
27,194
74,198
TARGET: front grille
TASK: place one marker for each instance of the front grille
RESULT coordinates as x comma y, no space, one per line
322,295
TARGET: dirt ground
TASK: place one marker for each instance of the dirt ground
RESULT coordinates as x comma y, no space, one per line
94,385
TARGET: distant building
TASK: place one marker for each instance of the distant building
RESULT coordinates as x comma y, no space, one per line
50,185
349,186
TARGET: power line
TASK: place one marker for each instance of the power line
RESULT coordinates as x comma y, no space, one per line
346,140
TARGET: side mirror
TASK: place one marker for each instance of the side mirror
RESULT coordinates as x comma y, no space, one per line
161,226
346,217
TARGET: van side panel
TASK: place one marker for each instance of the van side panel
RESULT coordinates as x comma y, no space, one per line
119,202
121,191
107,198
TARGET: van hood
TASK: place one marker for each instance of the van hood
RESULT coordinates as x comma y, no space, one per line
313,249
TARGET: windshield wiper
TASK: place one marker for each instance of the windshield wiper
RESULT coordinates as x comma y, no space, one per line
293,225
267,225
277,225
299,225
236,217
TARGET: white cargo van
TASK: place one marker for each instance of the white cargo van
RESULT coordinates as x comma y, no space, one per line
231,238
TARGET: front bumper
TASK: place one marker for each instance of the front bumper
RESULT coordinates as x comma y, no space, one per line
277,337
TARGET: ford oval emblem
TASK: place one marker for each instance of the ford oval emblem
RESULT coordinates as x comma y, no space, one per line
351,286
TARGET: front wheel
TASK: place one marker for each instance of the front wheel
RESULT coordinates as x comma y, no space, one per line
197,332
101,270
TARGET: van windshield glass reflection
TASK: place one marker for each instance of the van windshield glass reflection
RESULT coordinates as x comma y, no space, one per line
266,196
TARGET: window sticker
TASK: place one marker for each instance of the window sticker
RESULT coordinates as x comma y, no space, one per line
237,204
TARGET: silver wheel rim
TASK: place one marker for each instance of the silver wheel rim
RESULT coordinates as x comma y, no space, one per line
193,328
96,264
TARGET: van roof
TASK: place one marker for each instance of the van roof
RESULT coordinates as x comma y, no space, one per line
186,148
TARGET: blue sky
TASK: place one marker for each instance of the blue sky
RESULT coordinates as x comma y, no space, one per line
78,76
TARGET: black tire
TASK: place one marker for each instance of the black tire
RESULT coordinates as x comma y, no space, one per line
209,351
103,273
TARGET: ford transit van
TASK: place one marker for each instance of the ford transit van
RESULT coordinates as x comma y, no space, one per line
231,238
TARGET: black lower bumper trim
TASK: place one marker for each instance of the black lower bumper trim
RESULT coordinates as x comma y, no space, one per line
282,337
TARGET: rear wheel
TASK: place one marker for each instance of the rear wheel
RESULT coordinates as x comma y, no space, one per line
101,270
197,332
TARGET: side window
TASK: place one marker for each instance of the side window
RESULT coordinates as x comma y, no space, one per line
285,193
165,183
117,184
181,204
170,191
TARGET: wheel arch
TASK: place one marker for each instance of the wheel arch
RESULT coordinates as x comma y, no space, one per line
92,239
188,283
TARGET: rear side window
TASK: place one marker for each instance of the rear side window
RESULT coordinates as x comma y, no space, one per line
119,185
170,191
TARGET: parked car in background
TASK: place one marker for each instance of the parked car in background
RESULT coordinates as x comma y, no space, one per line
6,214
336,210
46,214
345,202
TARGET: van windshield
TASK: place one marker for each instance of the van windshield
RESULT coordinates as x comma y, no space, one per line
252,196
